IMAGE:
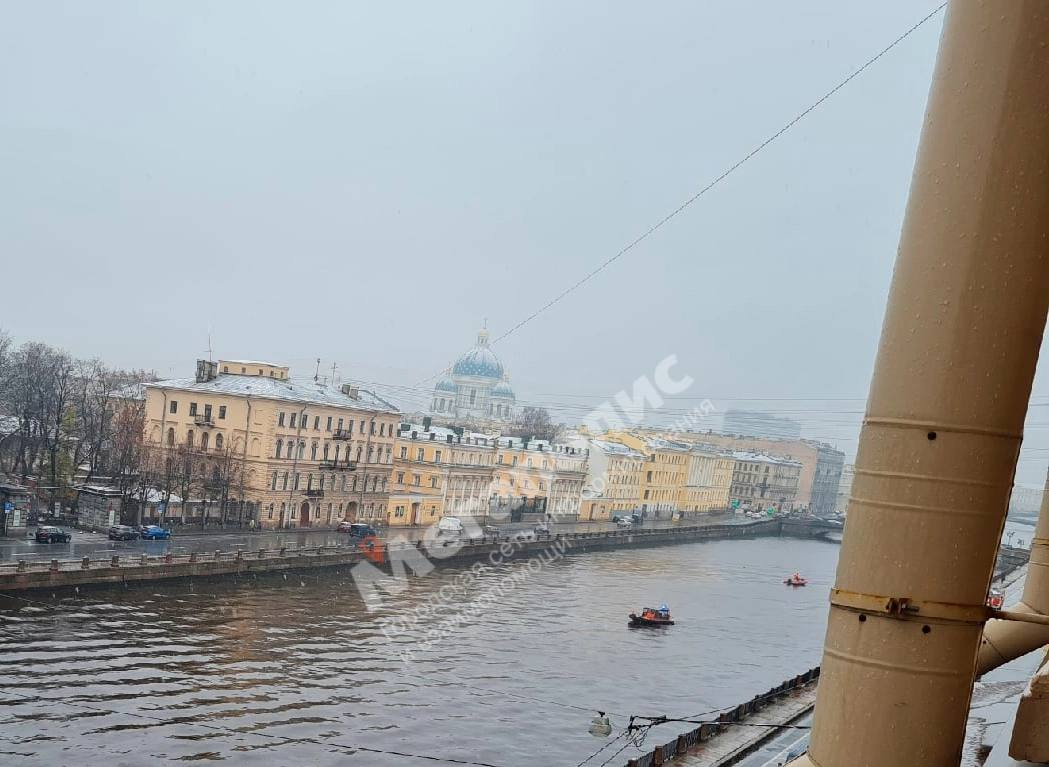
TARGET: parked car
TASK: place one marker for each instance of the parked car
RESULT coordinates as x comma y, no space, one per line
357,529
541,528
49,534
450,525
155,533
625,521
122,533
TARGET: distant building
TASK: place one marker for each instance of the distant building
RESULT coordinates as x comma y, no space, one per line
613,482
535,475
708,483
753,423
478,389
763,482
663,474
820,463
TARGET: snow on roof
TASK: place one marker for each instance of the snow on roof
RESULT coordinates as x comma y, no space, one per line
658,443
253,362
288,390
615,448
748,455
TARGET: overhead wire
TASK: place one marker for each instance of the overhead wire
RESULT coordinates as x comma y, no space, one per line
713,183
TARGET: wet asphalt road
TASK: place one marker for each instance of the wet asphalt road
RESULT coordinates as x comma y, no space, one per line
97,545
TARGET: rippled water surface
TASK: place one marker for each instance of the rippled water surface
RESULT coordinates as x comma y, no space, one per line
296,671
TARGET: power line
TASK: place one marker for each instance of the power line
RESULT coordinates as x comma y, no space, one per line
710,185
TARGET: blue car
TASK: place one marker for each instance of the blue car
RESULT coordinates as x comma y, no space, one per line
155,533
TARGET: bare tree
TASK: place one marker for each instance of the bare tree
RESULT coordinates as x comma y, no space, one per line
535,423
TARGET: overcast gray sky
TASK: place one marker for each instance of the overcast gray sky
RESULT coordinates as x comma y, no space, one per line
365,183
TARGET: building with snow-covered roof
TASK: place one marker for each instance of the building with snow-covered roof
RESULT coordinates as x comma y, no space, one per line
306,454
763,482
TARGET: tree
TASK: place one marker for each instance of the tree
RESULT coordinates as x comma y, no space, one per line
535,422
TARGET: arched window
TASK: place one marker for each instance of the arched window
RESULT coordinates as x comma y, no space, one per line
280,445
218,441
290,448
302,450
326,446
273,484
171,436
189,438
204,441
313,451
337,449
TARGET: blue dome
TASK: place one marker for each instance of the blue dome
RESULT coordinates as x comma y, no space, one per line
502,389
445,384
480,361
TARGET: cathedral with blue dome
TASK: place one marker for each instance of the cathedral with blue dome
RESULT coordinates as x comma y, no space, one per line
477,388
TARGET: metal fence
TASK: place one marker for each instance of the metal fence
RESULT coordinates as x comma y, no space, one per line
704,732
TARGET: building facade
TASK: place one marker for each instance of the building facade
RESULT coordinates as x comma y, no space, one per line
708,483
477,390
538,476
440,472
764,482
289,453
613,481
820,463
663,473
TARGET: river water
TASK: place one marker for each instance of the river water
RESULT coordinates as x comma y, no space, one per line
297,671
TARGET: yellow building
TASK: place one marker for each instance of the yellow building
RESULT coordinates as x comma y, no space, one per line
764,482
440,472
663,474
709,480
535,476
613,484
305,453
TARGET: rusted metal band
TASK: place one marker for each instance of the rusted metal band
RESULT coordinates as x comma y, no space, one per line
905,607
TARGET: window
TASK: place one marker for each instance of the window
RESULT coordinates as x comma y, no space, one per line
316,423
433,482
171,436
290,448
382,430
313,452
284,482
280,444
416,479
371,427
326,446
419,454
296,487
269,512
280,418
339,425
515,460
222,411
218,441
437,456
204,441
302,450
273,484
400,478
173,407
371,449
329,424
292,422
362,427
473,396
343,487
309,481
337,449
192,408
404,452
189,438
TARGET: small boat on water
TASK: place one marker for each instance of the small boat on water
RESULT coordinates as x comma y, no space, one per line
795,580
651,617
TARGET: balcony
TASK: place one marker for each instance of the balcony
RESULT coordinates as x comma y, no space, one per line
204,420
315,492
342,434
337,466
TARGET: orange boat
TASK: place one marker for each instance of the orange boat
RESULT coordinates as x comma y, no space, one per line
651,617
795,580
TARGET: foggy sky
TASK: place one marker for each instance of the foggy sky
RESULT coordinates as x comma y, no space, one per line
365,183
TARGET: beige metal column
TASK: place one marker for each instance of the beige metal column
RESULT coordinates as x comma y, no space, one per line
1005,640
947,402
